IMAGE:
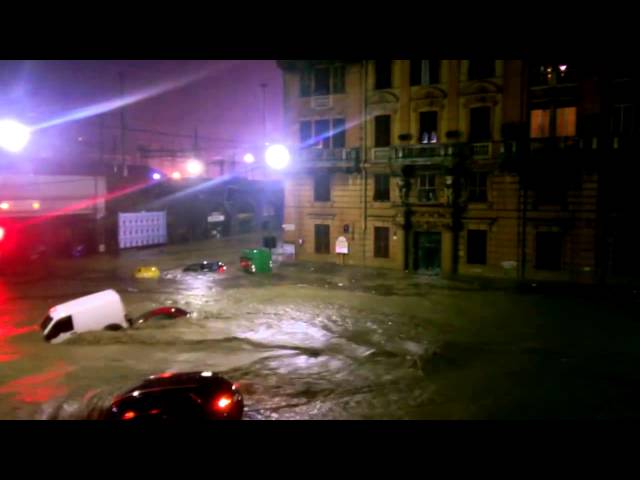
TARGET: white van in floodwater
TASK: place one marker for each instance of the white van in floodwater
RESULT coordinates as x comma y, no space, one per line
98,311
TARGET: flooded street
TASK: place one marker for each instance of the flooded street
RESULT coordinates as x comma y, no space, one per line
323,342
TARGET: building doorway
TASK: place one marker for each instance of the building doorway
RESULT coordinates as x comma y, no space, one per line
427,252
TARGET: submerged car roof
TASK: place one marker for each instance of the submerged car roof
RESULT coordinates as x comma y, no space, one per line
177,380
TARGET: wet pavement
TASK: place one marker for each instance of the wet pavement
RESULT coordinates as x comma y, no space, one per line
323,342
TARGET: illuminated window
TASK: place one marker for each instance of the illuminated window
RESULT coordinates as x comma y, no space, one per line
429,127
540,120
566,122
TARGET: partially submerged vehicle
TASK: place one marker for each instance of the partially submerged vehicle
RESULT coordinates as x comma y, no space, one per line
206,266
160,313
200,395
147,272
98,311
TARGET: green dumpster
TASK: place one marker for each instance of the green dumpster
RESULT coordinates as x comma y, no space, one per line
256,260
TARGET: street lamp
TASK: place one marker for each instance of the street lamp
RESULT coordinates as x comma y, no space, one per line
277,156
195,167
249,158
14,136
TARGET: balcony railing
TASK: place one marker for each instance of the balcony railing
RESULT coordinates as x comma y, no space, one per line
424,154
329,157
556,143
381,154
321,102
433,153
481,150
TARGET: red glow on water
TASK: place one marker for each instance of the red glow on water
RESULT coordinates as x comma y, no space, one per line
9,350
40,387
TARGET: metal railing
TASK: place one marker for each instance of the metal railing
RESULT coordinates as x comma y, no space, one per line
481,150
326,157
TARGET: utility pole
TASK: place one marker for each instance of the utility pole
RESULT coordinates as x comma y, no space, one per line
196,147
101,133
123,127
264,111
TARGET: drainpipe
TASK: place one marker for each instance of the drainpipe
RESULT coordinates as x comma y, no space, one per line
364,160
523,232
460,160
407,229
523,179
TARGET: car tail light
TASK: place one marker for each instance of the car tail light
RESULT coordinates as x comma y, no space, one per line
129,415
222,403
1,233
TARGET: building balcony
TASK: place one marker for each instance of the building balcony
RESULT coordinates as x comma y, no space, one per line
329,157
482,150
433,153
422,154
556,143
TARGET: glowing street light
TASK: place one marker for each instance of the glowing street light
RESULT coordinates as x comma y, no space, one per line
277,156
176,175
249,158
195,167
156,176
14,136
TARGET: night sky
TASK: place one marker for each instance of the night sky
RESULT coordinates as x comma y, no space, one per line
224,102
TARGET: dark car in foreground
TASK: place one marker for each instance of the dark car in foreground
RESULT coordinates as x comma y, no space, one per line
179,396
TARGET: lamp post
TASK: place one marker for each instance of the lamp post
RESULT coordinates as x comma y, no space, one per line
14,136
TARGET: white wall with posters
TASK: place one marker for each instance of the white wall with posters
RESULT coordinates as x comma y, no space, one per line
140,229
